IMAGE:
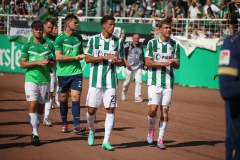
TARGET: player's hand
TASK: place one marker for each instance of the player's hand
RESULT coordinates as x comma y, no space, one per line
114,61
110,57
43,62
173,61
127,64
80,57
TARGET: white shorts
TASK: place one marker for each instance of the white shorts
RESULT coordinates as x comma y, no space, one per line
96,96
37,92
159,96
53,82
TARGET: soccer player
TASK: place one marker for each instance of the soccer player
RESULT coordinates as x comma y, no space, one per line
37,56
69,51
229,83
104,51
47,29
48,26
162,57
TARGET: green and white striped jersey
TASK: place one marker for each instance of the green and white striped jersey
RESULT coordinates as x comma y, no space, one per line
161,52
34,52
70,46
103,74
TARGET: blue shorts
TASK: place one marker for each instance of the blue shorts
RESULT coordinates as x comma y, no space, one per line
70,82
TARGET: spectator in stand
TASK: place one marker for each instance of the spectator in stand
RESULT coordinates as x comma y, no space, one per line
149,14
214,8
179,13
20,8
224,11
117,14
28,8
136,11
156,12
233,15
68,10
12,9
61,4
209,24
194,9
51,3
4,9
91,10
169,10
143,4
81,5
53,13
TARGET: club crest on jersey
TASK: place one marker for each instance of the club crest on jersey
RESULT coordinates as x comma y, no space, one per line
114,46
45,46
76,38
170,48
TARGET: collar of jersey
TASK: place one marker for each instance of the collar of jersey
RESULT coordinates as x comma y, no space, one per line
160,41
104,38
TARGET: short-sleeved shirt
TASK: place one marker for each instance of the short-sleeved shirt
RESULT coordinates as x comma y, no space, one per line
34,52
233,8
70,46
161,52
134,55
103,74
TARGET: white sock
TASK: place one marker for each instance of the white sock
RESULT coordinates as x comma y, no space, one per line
33,120
57,94
152,122
48,107
90,121
162,129
39,117
109,122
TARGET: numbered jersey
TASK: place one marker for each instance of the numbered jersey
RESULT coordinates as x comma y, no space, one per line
161,52
34,52
103,74
70,46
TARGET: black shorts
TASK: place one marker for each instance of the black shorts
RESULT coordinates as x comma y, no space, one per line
233,20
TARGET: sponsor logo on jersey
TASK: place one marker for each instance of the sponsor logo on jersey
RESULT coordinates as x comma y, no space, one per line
45,46
65,39
32,47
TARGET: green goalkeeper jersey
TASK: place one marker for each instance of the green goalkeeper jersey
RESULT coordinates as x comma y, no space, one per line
70,46
34,52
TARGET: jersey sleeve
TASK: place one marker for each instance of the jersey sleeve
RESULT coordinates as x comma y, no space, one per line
57,44
228,71
149,50
89,47
25,51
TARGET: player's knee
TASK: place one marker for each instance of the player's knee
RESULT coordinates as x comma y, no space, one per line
165,111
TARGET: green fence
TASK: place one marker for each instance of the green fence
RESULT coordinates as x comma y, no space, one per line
197,70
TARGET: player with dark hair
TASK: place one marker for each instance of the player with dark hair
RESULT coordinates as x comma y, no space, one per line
69,51
229,84
104,51
162,57
37,56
